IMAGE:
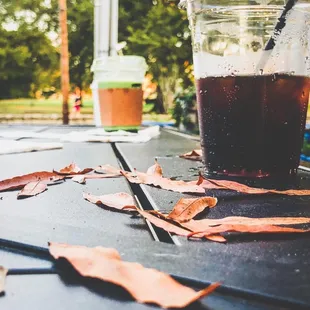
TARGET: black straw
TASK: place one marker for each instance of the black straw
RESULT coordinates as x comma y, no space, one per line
280,25
277,31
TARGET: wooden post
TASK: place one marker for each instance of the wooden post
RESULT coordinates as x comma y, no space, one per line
64,60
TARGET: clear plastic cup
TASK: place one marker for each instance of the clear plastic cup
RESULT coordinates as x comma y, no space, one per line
252,90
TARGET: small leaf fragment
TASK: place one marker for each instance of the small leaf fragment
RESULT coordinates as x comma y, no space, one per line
79,179
187,209
3,273
164,183
193,155
119,201
156,170
216,238
107,169
32,189
164,224
144,285
73,169
170,226
206,184
20,181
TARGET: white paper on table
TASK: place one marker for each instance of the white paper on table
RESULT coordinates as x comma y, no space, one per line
100,135
92,135
29,134
102,132
152,132
76,136
11,146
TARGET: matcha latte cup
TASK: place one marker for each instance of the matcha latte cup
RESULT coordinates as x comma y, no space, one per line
117,91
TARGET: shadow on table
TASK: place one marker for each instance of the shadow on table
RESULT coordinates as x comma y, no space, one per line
70,277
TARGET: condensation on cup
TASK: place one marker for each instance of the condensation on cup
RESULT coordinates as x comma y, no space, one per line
252,102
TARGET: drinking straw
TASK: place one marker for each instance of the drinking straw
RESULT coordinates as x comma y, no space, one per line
277,31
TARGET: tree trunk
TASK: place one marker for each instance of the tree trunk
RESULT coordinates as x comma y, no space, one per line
64,60
168,85
159,102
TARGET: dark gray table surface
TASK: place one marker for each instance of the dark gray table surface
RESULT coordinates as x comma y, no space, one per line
271,265
257,272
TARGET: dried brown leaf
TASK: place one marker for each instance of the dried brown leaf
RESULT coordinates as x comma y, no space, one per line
252,190
193,155
238,187
20,181
119,201
253,229
187,209
107,169
3,273
32,189
73,169
201,225
144,285
206,184
155,170
163,223
292,192
242,188
164,183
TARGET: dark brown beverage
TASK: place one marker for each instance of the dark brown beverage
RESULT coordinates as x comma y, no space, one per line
252,125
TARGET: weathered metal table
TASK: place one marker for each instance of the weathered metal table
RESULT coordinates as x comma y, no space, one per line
257,272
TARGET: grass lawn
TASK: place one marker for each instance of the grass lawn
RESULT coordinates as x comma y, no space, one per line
46,106
42,106
51,106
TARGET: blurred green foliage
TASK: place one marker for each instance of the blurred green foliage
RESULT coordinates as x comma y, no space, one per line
29,47
185,110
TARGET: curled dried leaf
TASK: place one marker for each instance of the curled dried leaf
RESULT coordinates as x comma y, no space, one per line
164,223
144,285
252,229
73,169
107,169
206,184
119,201
20,181
164,183
202,225
3,273
32,189
216,238
193,155
187,209
235,186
